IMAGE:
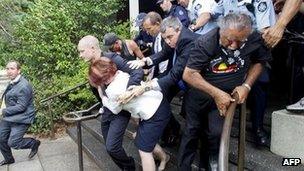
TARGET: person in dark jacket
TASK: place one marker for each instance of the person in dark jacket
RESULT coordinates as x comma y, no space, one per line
112,126
180,41
18,113
143,39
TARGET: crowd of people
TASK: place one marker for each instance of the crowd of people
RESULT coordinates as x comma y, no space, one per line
206,49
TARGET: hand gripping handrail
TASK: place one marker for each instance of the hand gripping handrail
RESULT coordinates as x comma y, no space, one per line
224,144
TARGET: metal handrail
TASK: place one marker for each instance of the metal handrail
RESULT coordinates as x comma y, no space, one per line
48,100
225,138
81,115
78,117
64,92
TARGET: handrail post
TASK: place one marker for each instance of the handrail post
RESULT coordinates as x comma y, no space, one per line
242,136
79,143
224,144
51,119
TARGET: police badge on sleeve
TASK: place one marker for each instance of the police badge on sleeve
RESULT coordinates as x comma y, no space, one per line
262,7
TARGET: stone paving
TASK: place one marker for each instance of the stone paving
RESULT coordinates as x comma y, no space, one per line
60,154
53,155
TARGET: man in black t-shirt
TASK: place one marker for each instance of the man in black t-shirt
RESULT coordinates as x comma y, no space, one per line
224,61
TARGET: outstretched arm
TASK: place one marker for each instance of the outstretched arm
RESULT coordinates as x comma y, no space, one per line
274,34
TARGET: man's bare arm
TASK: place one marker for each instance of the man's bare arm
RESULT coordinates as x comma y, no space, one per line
253,73
274,34
221,98
201,21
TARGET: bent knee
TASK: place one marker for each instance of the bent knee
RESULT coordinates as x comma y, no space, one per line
113,149
13,143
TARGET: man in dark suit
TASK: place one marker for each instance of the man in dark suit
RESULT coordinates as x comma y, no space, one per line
112,126
18,114
180,40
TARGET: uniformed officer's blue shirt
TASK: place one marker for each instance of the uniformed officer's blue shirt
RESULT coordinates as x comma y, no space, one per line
262,13
180,13
196,8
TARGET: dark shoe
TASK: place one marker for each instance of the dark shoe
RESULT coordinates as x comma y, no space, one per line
261,138
4,162
34,149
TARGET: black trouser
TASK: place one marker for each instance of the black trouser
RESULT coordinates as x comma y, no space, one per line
202,120
173,127
113,128
257,104
11,136
298,83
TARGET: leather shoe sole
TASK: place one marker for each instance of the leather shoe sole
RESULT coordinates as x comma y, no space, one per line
34,149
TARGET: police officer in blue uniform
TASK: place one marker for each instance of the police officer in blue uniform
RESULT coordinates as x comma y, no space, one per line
175,11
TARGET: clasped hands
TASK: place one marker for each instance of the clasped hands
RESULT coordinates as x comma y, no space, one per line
134,91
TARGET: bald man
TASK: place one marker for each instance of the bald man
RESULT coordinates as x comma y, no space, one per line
89,50
112,126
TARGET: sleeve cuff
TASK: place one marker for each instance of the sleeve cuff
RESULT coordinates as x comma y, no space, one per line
155,85
148,61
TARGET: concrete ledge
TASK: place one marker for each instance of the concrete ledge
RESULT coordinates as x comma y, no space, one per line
287,134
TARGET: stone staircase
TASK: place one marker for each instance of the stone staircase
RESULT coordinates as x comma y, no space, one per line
260,159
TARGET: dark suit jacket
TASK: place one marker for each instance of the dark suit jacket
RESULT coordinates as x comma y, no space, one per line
169,55
136,75
19,102
184,45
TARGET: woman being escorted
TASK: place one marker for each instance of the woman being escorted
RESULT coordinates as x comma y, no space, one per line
151,108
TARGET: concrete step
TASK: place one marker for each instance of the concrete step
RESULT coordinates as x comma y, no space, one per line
256,158
94,149
93,127
260,159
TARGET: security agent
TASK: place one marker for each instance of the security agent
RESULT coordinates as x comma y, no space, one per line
151,24
180,40
112,126
143,39
17,115
225,61
175,11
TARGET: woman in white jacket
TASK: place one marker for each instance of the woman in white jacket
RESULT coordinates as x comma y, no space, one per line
151,108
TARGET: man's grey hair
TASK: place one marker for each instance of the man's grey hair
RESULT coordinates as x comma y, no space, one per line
170,22
238,21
